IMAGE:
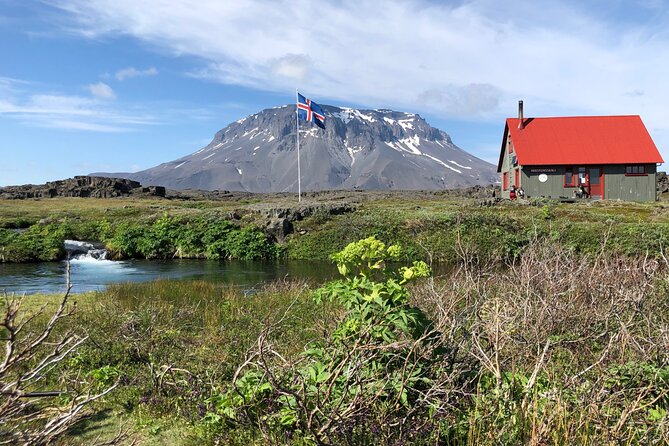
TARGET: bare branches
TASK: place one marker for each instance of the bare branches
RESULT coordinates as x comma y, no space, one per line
555,331
29,354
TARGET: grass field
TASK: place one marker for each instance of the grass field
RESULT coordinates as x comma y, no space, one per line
553,324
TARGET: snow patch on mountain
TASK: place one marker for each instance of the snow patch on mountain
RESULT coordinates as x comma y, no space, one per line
344,116
459,165
348,114
313,132
412,142
406,124
352,151
442,163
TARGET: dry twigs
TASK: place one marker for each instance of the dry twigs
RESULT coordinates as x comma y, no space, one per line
27,416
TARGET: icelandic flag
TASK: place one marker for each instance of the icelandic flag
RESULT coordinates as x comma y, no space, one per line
310,111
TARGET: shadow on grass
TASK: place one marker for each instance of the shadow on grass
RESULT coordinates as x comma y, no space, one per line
99,427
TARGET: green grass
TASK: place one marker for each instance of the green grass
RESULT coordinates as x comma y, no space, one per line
174,342
178,342
428,225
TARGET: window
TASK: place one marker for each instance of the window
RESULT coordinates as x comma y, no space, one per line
594,176
569,177
516,181
575,176
505,181
638,169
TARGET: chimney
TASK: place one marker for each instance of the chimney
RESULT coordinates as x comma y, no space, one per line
521,123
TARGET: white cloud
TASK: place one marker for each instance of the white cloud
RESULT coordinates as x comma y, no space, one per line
385,51
471,59
49,104
131,72
470,99
292,66
101,90
67,111
68,124
9,83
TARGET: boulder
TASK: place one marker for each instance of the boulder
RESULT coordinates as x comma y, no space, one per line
278,228
662,182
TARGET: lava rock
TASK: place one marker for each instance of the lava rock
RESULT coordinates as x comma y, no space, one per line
82,187
279,228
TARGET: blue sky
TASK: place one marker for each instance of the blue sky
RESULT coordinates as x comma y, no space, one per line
123,85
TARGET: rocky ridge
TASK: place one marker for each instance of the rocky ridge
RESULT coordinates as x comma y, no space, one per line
82,186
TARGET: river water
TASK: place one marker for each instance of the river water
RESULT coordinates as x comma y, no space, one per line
89,274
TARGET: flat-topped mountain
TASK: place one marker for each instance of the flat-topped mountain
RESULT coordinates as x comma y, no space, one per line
358,149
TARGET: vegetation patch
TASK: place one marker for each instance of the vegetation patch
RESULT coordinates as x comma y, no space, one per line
164,237
551,328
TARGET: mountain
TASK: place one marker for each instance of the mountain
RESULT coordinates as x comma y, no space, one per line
358,149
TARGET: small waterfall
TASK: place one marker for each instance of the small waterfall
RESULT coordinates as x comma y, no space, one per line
84,251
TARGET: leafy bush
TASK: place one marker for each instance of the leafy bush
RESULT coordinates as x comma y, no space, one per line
38,242
125,241
163,238
374,370
211,238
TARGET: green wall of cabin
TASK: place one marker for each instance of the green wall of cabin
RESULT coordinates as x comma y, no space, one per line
630,188
617,185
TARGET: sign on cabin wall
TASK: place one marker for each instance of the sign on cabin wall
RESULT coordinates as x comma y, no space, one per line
543,170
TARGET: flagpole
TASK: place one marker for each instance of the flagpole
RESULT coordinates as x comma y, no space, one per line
297,136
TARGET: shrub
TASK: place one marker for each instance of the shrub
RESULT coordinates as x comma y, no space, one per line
169,237
375,370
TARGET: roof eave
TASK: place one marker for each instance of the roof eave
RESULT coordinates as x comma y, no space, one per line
501,150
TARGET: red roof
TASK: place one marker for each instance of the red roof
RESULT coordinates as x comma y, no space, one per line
581,140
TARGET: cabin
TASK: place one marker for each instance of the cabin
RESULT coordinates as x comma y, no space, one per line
591,157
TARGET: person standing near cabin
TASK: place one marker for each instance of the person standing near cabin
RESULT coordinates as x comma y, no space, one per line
521,193
512,193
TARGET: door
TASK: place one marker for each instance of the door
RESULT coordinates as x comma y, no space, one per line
595,181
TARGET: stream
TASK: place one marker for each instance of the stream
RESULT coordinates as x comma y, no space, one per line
88,273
